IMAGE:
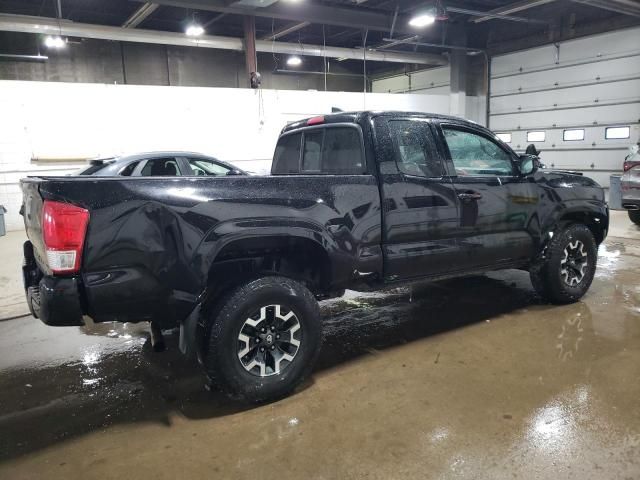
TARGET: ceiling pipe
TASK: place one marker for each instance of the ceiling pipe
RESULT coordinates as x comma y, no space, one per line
498,16
140,15
51,26
625,7
511,8
33,58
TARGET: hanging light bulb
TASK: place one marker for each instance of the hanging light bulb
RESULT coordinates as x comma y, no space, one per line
422,19
54,41
194,30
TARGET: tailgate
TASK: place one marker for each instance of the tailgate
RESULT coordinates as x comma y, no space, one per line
32,212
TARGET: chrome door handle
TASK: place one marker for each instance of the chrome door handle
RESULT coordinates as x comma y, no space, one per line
468,196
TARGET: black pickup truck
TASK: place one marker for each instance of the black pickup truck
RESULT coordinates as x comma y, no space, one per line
356,200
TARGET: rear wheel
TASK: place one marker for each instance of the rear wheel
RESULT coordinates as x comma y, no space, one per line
263,340
567,270
634,216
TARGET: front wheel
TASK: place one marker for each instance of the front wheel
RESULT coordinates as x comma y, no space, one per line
565,273
634,216
263,340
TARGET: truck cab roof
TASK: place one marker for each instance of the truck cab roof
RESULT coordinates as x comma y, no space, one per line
360,116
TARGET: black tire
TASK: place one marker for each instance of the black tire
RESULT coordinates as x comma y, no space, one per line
556,282
634,216
228,371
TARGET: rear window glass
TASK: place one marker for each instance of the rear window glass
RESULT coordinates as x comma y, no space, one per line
128,170
312,158
287,156
327,150
90,170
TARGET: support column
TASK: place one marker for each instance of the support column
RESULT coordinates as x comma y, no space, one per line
251,60
458,73
458,82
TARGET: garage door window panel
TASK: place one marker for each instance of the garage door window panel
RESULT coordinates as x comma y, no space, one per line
476,155
617,133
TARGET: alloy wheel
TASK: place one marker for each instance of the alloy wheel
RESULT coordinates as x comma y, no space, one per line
269,340
574,263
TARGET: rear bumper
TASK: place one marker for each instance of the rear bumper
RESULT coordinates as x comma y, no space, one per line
54,300
630,185
631,204
59,302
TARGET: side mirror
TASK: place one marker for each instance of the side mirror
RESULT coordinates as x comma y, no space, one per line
528,164
234,172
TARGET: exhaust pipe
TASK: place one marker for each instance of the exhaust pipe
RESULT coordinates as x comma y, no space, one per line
630,206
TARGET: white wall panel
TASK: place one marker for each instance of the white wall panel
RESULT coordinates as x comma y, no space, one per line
51,128
423,80
562,77
619,92
591,82
600,115
603,46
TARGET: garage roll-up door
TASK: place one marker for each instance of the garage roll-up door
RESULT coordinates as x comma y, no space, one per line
578,101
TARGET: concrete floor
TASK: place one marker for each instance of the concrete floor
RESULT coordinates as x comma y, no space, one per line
472,378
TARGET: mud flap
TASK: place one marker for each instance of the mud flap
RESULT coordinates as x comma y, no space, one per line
187,343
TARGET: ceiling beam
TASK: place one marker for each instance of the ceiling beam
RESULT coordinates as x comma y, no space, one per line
357,18
140,15
286,30
52,26
624,7
511,8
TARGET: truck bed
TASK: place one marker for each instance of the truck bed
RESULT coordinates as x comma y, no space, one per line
151,242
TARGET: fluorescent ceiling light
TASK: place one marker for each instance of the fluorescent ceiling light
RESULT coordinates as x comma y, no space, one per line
422,19
194,30
54,42
294,61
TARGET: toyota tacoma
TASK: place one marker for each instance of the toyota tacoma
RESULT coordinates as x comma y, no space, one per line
361,200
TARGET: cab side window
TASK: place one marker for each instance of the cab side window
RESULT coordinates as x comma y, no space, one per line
475,155
160,167
205,167
415,155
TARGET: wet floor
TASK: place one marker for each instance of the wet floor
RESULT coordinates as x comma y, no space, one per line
471,378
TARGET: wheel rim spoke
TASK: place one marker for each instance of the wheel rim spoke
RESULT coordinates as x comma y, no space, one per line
574,263
269,340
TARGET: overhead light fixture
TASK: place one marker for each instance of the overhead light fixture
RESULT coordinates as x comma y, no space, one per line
194,30
422,19
54,42
294,61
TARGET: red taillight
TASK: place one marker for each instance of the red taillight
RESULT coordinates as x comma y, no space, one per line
315,121
630,164
63,230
